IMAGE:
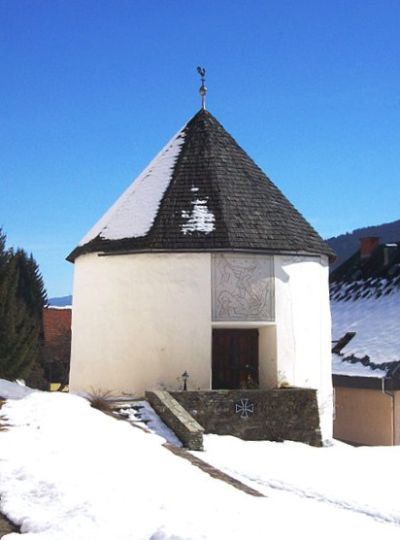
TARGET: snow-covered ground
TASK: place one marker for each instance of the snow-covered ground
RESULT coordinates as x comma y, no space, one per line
68,471
342,475
14,390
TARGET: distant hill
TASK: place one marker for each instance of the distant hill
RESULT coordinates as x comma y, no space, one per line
60,301
346,244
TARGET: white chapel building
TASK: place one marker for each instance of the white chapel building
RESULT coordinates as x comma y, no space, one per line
202,266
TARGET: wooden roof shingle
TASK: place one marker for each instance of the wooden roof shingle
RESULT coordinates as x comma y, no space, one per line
217,199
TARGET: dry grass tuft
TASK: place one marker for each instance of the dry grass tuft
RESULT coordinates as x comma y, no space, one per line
101,401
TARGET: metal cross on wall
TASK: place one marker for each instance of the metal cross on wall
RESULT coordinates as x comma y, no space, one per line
244,408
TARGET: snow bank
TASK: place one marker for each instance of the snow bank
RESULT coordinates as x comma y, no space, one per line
68,471
13,390
342,475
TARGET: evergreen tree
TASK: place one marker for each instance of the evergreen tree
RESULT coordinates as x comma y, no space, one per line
31,291
21,301
4,255
30,284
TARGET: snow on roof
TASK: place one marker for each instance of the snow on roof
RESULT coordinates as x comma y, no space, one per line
203,192
342,366
374,315
133,214
56,322
199,219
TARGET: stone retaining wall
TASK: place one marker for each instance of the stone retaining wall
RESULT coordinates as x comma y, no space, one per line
274,415
188,430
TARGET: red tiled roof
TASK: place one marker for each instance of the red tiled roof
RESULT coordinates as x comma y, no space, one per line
55,322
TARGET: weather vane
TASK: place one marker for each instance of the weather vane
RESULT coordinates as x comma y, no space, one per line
203,90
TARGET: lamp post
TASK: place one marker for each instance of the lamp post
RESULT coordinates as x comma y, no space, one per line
185,376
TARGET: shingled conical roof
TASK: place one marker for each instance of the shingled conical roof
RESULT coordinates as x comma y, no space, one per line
202,193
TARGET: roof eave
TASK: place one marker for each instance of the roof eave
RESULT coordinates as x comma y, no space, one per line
371,383
106,250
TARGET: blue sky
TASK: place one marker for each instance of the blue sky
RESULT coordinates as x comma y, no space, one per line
92,89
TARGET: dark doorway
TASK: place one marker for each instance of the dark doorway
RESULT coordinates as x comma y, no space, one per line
234,359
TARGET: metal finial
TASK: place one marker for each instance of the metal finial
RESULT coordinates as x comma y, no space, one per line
203,90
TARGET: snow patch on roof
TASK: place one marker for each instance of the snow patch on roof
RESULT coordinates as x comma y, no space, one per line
133,214
200,218
375,319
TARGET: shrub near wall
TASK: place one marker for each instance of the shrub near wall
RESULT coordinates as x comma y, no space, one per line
274,415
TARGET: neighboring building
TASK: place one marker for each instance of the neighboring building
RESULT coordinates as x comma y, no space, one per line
365,302
57,344
202,266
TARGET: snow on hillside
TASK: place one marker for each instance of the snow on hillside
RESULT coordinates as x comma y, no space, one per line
60,301
346,244
68,471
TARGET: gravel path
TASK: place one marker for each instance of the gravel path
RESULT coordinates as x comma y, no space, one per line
212,471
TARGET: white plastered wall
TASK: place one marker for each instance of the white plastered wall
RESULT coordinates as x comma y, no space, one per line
268,374
303,328
141,320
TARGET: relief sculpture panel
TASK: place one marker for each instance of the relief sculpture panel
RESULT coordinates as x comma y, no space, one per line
242,287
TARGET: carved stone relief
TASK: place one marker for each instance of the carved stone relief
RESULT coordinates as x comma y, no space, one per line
242,288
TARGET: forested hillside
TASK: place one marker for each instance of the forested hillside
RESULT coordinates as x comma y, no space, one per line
346,244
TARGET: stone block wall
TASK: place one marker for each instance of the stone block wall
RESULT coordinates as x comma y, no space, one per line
274,415
186,428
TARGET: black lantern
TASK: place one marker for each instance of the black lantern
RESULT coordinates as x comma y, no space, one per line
185,376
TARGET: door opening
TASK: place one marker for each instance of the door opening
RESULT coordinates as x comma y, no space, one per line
234,358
